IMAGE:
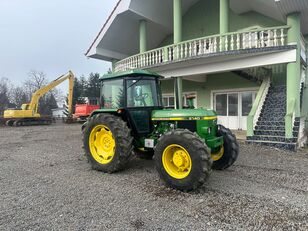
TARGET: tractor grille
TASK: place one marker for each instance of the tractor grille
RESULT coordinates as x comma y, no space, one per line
190,125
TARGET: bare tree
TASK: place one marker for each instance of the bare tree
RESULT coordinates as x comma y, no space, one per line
4,95
35,81
19,96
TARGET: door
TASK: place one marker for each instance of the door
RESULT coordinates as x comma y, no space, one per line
226,106
233,108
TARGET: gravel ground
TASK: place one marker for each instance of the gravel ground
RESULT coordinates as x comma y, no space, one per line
47,184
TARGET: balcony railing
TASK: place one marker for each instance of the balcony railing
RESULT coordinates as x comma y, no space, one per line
261,38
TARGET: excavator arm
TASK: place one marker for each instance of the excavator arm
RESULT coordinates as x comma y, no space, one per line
33,105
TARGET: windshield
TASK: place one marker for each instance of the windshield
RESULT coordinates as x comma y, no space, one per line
112,94
142,92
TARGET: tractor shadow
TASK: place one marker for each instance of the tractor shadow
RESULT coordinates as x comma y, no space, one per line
136,164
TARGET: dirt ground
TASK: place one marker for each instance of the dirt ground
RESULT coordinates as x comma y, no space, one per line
47,184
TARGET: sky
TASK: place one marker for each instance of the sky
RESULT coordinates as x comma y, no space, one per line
50,36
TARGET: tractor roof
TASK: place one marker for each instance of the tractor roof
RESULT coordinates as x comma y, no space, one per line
132,73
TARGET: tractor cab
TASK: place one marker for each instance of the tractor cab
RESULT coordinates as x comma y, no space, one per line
134,95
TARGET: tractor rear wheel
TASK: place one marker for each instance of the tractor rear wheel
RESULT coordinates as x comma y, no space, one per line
182,160
228,153
107,142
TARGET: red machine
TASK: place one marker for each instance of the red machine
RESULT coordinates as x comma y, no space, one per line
82,111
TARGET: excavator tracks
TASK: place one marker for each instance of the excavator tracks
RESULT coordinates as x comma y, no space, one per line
29,122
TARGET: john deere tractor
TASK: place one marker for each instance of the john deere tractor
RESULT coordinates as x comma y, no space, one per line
186,143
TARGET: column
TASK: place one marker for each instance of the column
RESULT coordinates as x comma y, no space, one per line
293,71
177,37
142,36
224,17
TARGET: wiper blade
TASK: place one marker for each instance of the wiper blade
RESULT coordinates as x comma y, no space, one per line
141,78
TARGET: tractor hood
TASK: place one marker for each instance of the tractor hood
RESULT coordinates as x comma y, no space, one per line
184,114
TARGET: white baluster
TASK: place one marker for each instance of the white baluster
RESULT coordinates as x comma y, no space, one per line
256,40
238,42
182,50
269,38
220,43
215,44
282,37
262,38
232,42
204,46
250,40
157,56
226,43
244,40
190,49
275,38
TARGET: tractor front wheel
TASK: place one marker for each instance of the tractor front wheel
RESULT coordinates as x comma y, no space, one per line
182,160
225,156
107,143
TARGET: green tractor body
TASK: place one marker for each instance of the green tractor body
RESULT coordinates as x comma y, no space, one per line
186,143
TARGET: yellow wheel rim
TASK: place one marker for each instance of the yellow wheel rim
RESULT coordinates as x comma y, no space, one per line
176,161
218,155
102,144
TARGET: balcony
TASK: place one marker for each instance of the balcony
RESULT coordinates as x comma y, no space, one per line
261,40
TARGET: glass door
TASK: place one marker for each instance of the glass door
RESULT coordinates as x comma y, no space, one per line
226,106
233,108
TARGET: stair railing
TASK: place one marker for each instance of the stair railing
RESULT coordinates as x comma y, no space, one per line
290,119
255,112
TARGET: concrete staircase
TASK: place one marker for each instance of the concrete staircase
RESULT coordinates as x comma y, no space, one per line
254,74
270,129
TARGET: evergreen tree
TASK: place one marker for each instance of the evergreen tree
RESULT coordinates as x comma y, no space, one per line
93,86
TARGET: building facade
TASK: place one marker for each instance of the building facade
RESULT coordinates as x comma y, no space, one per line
245,59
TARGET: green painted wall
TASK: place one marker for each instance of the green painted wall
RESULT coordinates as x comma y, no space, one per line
279,74
219,81
202,19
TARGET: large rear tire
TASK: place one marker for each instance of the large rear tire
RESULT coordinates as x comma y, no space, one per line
229,151
182,160
107,142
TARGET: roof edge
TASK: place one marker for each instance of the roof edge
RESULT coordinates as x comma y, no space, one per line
105,24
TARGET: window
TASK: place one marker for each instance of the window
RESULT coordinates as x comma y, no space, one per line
142,93
221,104
233,104
112,94
247,100
169,101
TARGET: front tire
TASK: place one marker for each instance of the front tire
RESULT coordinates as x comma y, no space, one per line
107,142
182,160
229,150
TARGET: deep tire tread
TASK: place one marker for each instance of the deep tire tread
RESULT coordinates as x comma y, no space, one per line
122,135
199,152
231,149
